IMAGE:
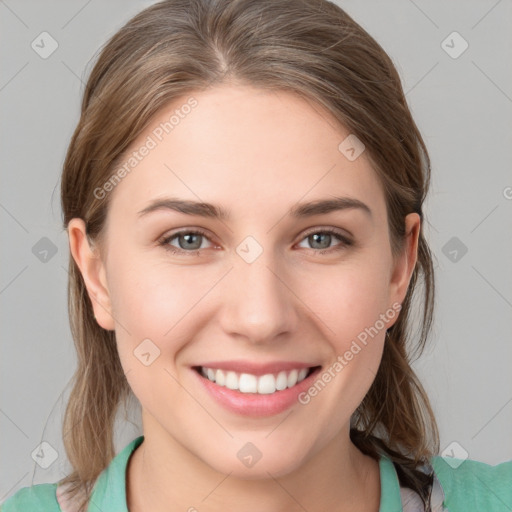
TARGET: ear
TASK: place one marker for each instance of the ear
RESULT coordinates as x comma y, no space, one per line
93,272
405,262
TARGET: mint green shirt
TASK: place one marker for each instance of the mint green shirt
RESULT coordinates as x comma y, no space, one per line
470,486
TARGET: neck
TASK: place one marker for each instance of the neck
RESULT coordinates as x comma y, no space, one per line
163,475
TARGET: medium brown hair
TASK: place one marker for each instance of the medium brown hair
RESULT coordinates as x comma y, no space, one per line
308,47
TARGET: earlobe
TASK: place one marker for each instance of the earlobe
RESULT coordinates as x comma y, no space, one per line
406,261
93,272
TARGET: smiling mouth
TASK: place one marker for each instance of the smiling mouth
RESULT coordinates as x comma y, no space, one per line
267,384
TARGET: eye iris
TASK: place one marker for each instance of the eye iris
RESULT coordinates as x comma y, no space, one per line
314,239
188,236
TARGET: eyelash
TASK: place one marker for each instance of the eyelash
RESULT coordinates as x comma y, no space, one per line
345,242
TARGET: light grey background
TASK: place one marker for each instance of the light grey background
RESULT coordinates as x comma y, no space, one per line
463,106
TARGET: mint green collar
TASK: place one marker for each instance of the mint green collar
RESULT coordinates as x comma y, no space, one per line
109,492
390,499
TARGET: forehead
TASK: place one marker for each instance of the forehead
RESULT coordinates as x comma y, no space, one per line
244,148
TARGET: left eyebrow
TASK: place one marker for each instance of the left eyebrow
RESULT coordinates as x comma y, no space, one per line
201,209
323,206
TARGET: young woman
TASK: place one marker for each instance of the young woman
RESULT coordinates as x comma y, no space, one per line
243,196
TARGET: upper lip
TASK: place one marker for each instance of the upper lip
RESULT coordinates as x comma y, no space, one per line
244,366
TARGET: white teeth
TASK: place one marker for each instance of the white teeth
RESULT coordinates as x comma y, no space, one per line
220,378
302,374
232,380
266,384
248,383
281,381
292,378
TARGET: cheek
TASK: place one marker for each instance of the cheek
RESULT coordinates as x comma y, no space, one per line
349,298
351,303
154,300
151,304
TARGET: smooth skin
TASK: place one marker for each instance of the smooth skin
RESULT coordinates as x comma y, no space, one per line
256,154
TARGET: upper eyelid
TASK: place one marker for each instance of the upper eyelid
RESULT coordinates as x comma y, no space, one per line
339,231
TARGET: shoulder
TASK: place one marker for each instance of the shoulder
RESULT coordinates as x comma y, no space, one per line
476,484
40,498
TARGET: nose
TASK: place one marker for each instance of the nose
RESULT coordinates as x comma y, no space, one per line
258,303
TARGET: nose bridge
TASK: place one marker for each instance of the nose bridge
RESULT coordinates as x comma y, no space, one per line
259,304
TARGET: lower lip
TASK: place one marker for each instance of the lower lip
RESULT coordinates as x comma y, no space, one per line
254,404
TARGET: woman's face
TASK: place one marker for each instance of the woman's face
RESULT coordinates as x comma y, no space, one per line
262,290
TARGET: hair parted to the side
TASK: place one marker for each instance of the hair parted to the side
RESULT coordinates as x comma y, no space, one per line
308,47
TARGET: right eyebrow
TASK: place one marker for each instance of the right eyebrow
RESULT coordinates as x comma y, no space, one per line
187,207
